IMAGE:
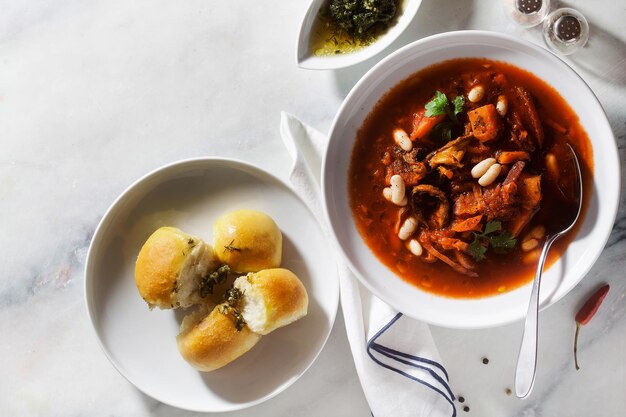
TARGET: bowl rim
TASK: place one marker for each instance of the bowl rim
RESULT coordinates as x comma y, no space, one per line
388,61
107,217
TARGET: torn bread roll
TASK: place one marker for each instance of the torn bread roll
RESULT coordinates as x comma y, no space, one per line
170,268
271,298
208,342
257,304
247,241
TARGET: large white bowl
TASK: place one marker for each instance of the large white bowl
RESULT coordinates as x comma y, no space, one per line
141,343
559,278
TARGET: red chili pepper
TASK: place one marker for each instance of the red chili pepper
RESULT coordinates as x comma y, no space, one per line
586,313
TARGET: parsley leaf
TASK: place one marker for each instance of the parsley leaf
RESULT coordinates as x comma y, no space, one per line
438,105
441,105
477,250
442,131
499,243
491,227
504,240
458,103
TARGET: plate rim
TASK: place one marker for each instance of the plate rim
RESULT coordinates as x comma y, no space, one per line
426,43
106,218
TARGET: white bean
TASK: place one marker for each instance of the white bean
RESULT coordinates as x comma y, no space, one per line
529,244
552,166
531,240
531,256
402,139
407,228
538,232
476,94
482,167
502,105
387,193
415,247
397,189
491,175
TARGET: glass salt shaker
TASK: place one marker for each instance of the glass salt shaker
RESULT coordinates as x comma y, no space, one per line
527,13
565,31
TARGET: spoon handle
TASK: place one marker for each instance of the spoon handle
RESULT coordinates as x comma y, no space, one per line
527,359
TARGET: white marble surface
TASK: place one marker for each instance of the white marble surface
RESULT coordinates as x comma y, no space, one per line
93,94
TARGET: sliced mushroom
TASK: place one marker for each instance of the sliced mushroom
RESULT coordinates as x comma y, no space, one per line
450,154
509,157
528,115
431,205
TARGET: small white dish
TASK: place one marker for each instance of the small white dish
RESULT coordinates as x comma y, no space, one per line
141,343
561,277
307,59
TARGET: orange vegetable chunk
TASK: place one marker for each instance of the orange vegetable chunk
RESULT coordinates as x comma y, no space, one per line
422,125
468,225
485,122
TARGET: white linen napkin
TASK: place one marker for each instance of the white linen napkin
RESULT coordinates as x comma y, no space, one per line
395,356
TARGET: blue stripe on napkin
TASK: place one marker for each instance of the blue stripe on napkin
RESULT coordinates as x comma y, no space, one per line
424,364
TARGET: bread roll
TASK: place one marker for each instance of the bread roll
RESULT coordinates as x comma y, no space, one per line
210,342
272,298
248,241
170,267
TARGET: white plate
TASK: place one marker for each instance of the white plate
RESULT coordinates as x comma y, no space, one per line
306,59
560,278
141,343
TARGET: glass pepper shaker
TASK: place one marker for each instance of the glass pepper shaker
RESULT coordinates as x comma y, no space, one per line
565,31
527,13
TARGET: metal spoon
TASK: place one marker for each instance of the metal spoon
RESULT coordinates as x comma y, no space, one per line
527,360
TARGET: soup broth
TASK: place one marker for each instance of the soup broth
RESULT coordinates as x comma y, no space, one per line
457,234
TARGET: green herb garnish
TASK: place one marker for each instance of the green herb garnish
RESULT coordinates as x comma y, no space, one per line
458,103
441,105
443,131
503,241
500,243
239,320
491,227
232,296
232,248
438,105
358,18
214,278
477,250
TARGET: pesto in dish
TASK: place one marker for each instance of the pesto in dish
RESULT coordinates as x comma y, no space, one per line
346,26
